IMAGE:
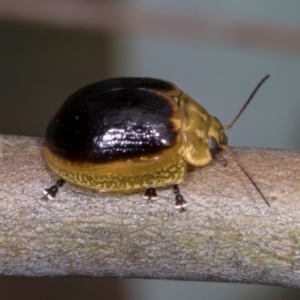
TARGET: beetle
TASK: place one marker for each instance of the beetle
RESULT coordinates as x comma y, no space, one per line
130,133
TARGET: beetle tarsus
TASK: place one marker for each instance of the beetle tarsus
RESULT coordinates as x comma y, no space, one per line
150,194
180,203
51,192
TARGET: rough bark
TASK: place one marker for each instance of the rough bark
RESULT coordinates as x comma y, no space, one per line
227,233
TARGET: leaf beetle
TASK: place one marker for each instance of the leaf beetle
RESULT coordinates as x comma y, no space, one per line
131,133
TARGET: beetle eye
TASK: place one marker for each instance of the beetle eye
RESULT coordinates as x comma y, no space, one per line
213,145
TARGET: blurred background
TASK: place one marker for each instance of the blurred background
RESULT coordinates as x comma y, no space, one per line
215,51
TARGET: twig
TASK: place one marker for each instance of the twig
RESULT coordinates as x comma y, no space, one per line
228,233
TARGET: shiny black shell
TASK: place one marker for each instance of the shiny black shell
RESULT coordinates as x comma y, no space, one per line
115,119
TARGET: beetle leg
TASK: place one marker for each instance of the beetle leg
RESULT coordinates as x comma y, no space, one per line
180,202
150,194
50,193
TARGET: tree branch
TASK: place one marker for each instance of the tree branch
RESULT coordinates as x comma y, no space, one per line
228,233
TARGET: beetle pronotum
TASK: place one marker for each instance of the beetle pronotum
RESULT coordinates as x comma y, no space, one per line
132,133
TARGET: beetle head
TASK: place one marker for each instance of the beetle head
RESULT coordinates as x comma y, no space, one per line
216,136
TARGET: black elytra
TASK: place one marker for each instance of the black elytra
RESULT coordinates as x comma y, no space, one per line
111,120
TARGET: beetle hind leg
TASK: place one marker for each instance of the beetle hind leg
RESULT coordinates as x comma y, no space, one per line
180,203
51,192
150,194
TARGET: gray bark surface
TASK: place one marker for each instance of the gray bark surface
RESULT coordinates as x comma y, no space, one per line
227,233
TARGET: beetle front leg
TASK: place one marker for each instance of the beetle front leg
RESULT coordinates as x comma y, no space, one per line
179,200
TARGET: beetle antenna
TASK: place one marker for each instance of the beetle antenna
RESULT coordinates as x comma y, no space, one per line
223,147
247,102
